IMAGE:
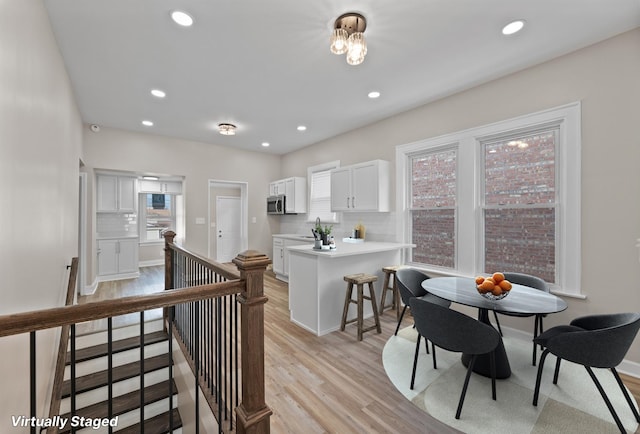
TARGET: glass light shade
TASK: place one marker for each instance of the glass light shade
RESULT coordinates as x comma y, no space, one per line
339,41
227,129
357,48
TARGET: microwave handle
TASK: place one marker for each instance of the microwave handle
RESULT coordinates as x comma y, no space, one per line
278,205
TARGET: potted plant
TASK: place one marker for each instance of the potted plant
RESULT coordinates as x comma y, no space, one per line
324,232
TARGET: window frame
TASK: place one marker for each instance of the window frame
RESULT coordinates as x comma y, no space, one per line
469,218
142,217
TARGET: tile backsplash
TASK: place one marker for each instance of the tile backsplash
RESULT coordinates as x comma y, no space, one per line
116,223
379,226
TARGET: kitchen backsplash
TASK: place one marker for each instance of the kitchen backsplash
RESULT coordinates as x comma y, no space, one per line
116,223
380,226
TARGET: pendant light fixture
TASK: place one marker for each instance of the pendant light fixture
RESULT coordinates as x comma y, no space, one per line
227,129
348,37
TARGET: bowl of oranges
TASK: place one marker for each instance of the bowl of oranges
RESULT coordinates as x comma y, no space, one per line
495,287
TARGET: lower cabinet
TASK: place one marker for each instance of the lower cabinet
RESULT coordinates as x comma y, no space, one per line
280,260
117,258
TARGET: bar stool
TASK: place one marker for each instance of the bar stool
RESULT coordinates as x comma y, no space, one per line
359,280
390,272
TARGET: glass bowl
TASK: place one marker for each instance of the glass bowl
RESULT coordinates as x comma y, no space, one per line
490,296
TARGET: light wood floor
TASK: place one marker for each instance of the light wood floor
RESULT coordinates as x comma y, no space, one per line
322,384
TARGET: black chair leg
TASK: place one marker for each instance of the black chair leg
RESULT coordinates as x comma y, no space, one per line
464,388
426,344
433,351
400,320
492,360
626,394
606,400
537,322
495,315
538,377
415,361
557,370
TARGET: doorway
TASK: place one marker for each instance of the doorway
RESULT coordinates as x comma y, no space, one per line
228,223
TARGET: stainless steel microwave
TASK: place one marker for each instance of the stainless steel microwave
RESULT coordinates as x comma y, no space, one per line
275,204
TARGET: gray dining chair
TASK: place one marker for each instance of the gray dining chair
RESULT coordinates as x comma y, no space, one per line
410,285
532,282
594,341
456,332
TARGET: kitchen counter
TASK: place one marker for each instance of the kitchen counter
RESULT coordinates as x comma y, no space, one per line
316,285
115,235
295,237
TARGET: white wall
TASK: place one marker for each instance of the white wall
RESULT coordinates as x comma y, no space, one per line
40,150
604,77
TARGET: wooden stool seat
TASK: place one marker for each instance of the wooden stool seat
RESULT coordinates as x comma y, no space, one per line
395,295
360,280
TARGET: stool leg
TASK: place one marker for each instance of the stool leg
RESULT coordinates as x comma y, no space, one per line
372,295
347,301
385,284
360,311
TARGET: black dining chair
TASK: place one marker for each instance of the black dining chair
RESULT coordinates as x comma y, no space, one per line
457,332
594,341
533,282
410,285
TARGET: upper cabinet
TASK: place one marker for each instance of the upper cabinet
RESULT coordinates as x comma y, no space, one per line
362,187
115,193
161,187
295,191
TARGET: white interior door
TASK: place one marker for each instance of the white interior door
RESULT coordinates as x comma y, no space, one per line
228,228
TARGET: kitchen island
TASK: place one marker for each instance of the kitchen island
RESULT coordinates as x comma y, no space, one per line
316,285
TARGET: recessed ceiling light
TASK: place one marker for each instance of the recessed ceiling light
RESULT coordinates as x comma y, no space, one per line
513,27
265,144
158,93
147,123
302,128
182,18
374,94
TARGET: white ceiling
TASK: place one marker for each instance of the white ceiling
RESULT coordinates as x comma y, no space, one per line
266,66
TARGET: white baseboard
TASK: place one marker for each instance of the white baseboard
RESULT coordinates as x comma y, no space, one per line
151,263
89,289
110,277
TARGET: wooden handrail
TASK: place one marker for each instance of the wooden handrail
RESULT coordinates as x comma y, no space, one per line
25,322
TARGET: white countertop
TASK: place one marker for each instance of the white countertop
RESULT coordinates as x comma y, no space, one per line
115,235
349,249
297,237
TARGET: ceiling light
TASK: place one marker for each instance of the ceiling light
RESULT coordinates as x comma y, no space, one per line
227,129
374,94
147,123
348,37
265,144
182,18
150,178
302,128
513,27
158,93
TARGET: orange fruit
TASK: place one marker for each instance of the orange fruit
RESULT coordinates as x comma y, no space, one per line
498,277
486,286
505,285
496,291
479,280
490,279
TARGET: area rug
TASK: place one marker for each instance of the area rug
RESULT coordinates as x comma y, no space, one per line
572,406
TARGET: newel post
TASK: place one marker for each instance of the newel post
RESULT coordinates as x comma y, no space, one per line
168,267
253,414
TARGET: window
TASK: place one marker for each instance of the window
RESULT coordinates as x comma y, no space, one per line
157,213
505,197
320,192
433,212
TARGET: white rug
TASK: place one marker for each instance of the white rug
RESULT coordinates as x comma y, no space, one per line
572,406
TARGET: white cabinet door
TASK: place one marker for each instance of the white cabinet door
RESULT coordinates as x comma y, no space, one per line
126,194
278,256
364,187
128,255
341,189
107,257
107,193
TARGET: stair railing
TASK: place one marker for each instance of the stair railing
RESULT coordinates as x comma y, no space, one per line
252,413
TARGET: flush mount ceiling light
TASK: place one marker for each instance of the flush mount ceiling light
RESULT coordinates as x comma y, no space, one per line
182,18
158,93
348,37
227,129
513,27
147,123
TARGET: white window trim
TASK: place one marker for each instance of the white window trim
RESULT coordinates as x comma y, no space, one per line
468,222
320,168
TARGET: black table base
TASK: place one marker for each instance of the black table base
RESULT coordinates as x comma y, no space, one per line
482,364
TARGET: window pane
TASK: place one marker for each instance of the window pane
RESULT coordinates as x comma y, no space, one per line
433,180
433,233
159,215
520,240
521,170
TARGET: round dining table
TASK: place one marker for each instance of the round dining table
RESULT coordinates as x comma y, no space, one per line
521,299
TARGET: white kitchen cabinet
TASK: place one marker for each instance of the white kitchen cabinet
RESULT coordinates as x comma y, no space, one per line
295,191
117,258
159,187
278,256
280,260
362,187
115,193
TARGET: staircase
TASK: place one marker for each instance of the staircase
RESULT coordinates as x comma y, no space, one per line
91,388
